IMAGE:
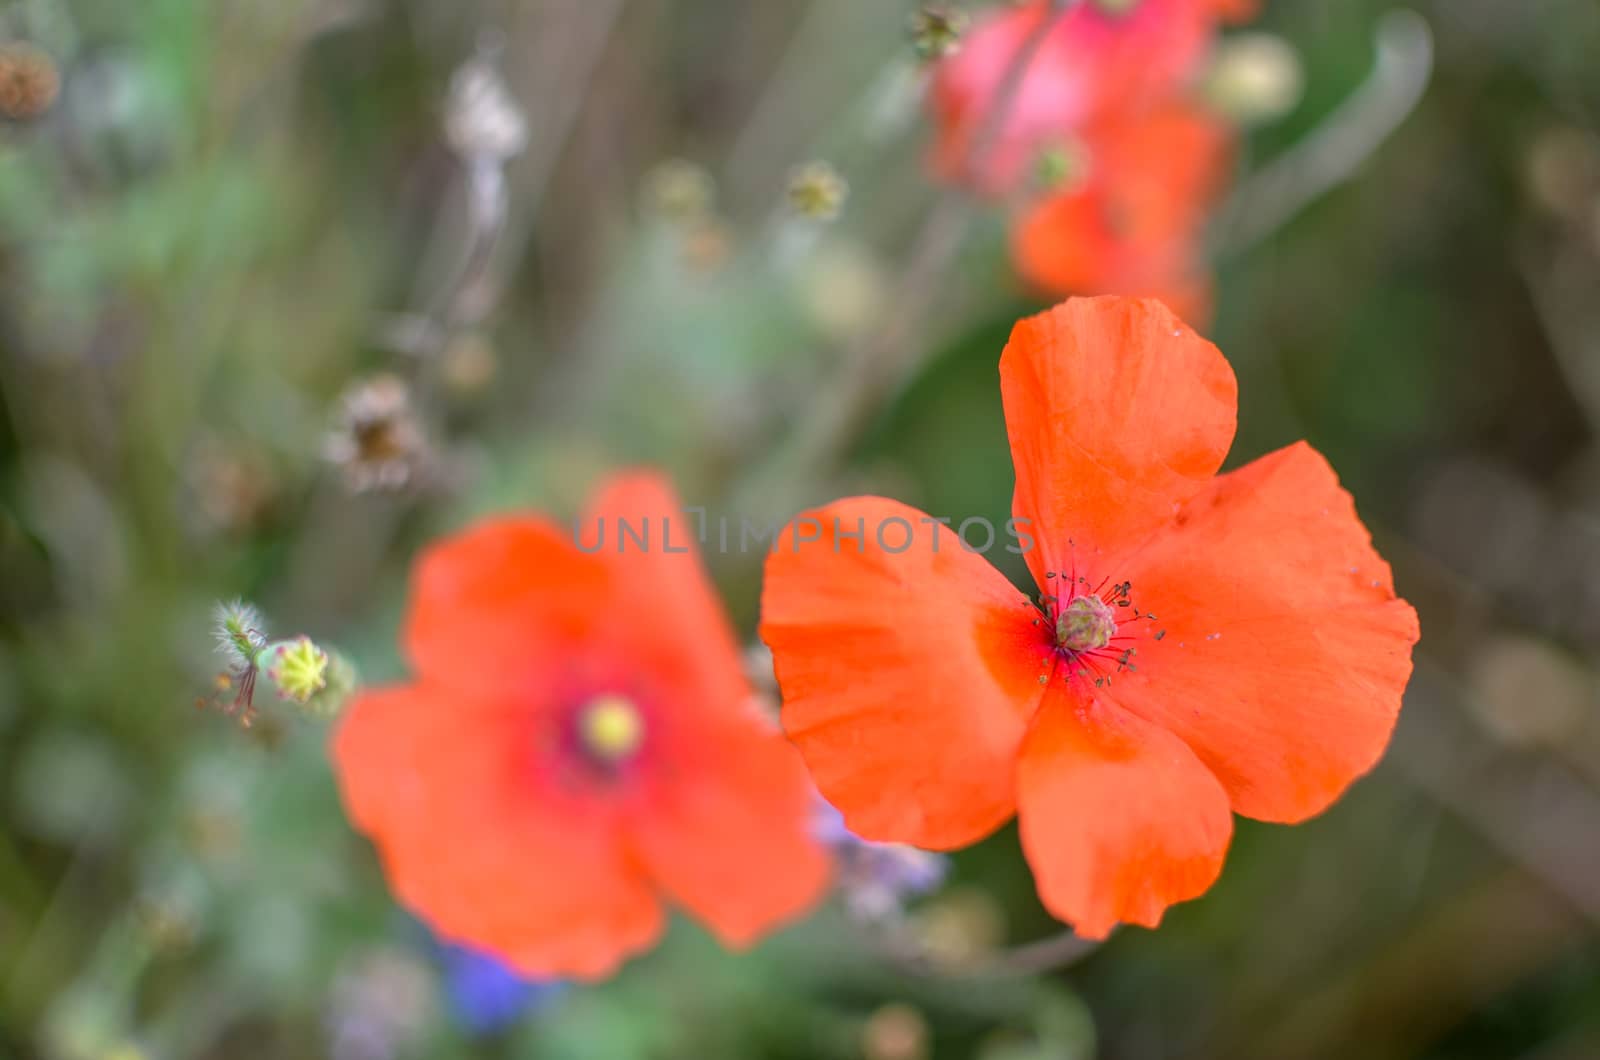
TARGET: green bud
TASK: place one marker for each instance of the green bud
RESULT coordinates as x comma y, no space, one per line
1062,166
1085,624
297,668
341,685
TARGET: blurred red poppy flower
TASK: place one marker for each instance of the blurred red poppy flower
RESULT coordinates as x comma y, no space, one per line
1102,55
1202,643
1133,220
577,745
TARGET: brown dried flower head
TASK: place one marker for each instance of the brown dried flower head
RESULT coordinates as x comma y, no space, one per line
378,441
483,120
29,82
817,191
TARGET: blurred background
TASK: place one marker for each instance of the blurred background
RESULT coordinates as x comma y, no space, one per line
288,288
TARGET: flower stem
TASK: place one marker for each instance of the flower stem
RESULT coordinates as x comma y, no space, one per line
882,362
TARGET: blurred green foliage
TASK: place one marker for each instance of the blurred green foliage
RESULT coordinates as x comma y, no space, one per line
230,209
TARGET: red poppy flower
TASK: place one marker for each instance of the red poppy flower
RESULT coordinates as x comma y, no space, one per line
1203,643
578,744
1133,221
1102,55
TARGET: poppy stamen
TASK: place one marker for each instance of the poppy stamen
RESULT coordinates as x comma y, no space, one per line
610,728
1085,625
1087,629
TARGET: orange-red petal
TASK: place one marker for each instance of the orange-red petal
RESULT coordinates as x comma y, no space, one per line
1055,95
1117,413
1236,10
502,602
908,677
724,825
1118,817
732,842
478,844
661,601
1093,63
496,826
1286,651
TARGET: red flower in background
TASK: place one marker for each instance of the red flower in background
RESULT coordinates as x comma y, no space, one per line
1102,56
1202,644
577,745
1109,89
1133,220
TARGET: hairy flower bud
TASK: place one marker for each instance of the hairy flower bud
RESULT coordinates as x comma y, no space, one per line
238,631
299,669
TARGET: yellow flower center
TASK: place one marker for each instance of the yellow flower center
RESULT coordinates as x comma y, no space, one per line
610,727
297,667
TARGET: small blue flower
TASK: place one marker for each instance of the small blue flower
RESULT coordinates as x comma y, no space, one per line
485,994
876,879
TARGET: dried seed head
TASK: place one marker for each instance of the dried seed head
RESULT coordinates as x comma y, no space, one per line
679,190
378,441
936,31
482,119
29,82
817,191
